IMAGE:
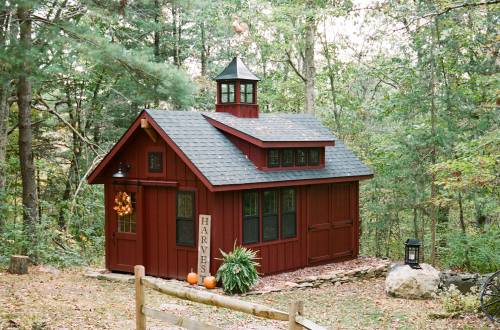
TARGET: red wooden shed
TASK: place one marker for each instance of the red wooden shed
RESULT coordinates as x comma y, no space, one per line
280,184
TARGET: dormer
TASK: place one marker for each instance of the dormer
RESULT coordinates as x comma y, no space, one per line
237,91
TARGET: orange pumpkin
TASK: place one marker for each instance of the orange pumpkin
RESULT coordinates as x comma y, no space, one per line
210,282
192,277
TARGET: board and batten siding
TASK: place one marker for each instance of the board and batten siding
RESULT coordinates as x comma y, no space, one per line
161,256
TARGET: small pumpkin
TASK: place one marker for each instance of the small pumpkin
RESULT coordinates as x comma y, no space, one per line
209,282
192,277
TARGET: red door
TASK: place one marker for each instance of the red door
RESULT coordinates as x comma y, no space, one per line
343,211
330,220
126,232
319,224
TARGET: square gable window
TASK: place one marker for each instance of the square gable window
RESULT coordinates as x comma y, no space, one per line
155,162
273,158
301,157
314,157
287,157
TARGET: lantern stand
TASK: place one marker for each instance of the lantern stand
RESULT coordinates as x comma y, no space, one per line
412,253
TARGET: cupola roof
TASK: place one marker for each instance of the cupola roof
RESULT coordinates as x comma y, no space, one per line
236,70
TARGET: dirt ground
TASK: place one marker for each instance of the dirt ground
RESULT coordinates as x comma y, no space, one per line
69,300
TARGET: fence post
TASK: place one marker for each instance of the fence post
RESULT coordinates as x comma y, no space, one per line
295,308
140,318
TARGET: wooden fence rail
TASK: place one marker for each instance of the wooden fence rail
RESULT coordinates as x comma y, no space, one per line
294,316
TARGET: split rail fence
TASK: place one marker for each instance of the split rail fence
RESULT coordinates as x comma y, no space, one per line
294,316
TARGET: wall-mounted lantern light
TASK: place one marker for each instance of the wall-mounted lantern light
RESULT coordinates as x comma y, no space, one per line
412,253
123,169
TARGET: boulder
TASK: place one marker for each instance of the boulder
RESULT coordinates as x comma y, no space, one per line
404,282
464,282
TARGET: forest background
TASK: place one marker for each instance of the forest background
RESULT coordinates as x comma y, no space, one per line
411,86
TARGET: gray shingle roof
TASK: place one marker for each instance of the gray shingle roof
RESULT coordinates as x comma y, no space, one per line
277,127
236,69
222,163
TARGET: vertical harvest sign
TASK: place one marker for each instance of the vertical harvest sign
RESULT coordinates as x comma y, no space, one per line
204,247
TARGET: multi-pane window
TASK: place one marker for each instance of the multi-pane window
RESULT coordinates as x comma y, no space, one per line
185,225
288,218
273,158
277,219
227,93
288,157
155,162
126,223
270,215
251,214
246,93
314,157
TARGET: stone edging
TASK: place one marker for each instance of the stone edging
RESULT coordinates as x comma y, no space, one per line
336,278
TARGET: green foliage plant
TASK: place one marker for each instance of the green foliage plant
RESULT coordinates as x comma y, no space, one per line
477,251
455,302
238,271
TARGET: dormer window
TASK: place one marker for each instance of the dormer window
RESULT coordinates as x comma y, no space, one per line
246,93
284,158
314,157
227,93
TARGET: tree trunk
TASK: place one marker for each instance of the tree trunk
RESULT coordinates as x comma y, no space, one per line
203,55
433,151
415,222
309,68
331,79
4,105
4,120
156,48
30,198
18,265
461,213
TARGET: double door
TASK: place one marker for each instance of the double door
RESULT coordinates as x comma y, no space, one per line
331,221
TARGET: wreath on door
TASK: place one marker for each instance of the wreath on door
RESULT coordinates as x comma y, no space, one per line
123,204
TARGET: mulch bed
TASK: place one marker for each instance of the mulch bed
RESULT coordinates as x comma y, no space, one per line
283,280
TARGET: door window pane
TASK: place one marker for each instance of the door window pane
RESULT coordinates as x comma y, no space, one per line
127,222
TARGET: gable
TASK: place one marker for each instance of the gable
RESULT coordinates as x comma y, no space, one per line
133,148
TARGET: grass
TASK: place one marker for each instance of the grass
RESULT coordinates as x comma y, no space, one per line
70,300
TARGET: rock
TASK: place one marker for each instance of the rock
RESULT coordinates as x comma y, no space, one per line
290,284
464,282
404,282
49,269
305,285
116,277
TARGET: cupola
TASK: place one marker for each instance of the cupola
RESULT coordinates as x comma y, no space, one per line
237,91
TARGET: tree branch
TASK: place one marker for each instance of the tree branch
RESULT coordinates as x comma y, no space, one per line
289,60
91,145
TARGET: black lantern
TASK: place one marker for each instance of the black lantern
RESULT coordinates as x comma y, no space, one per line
412,251
122,171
